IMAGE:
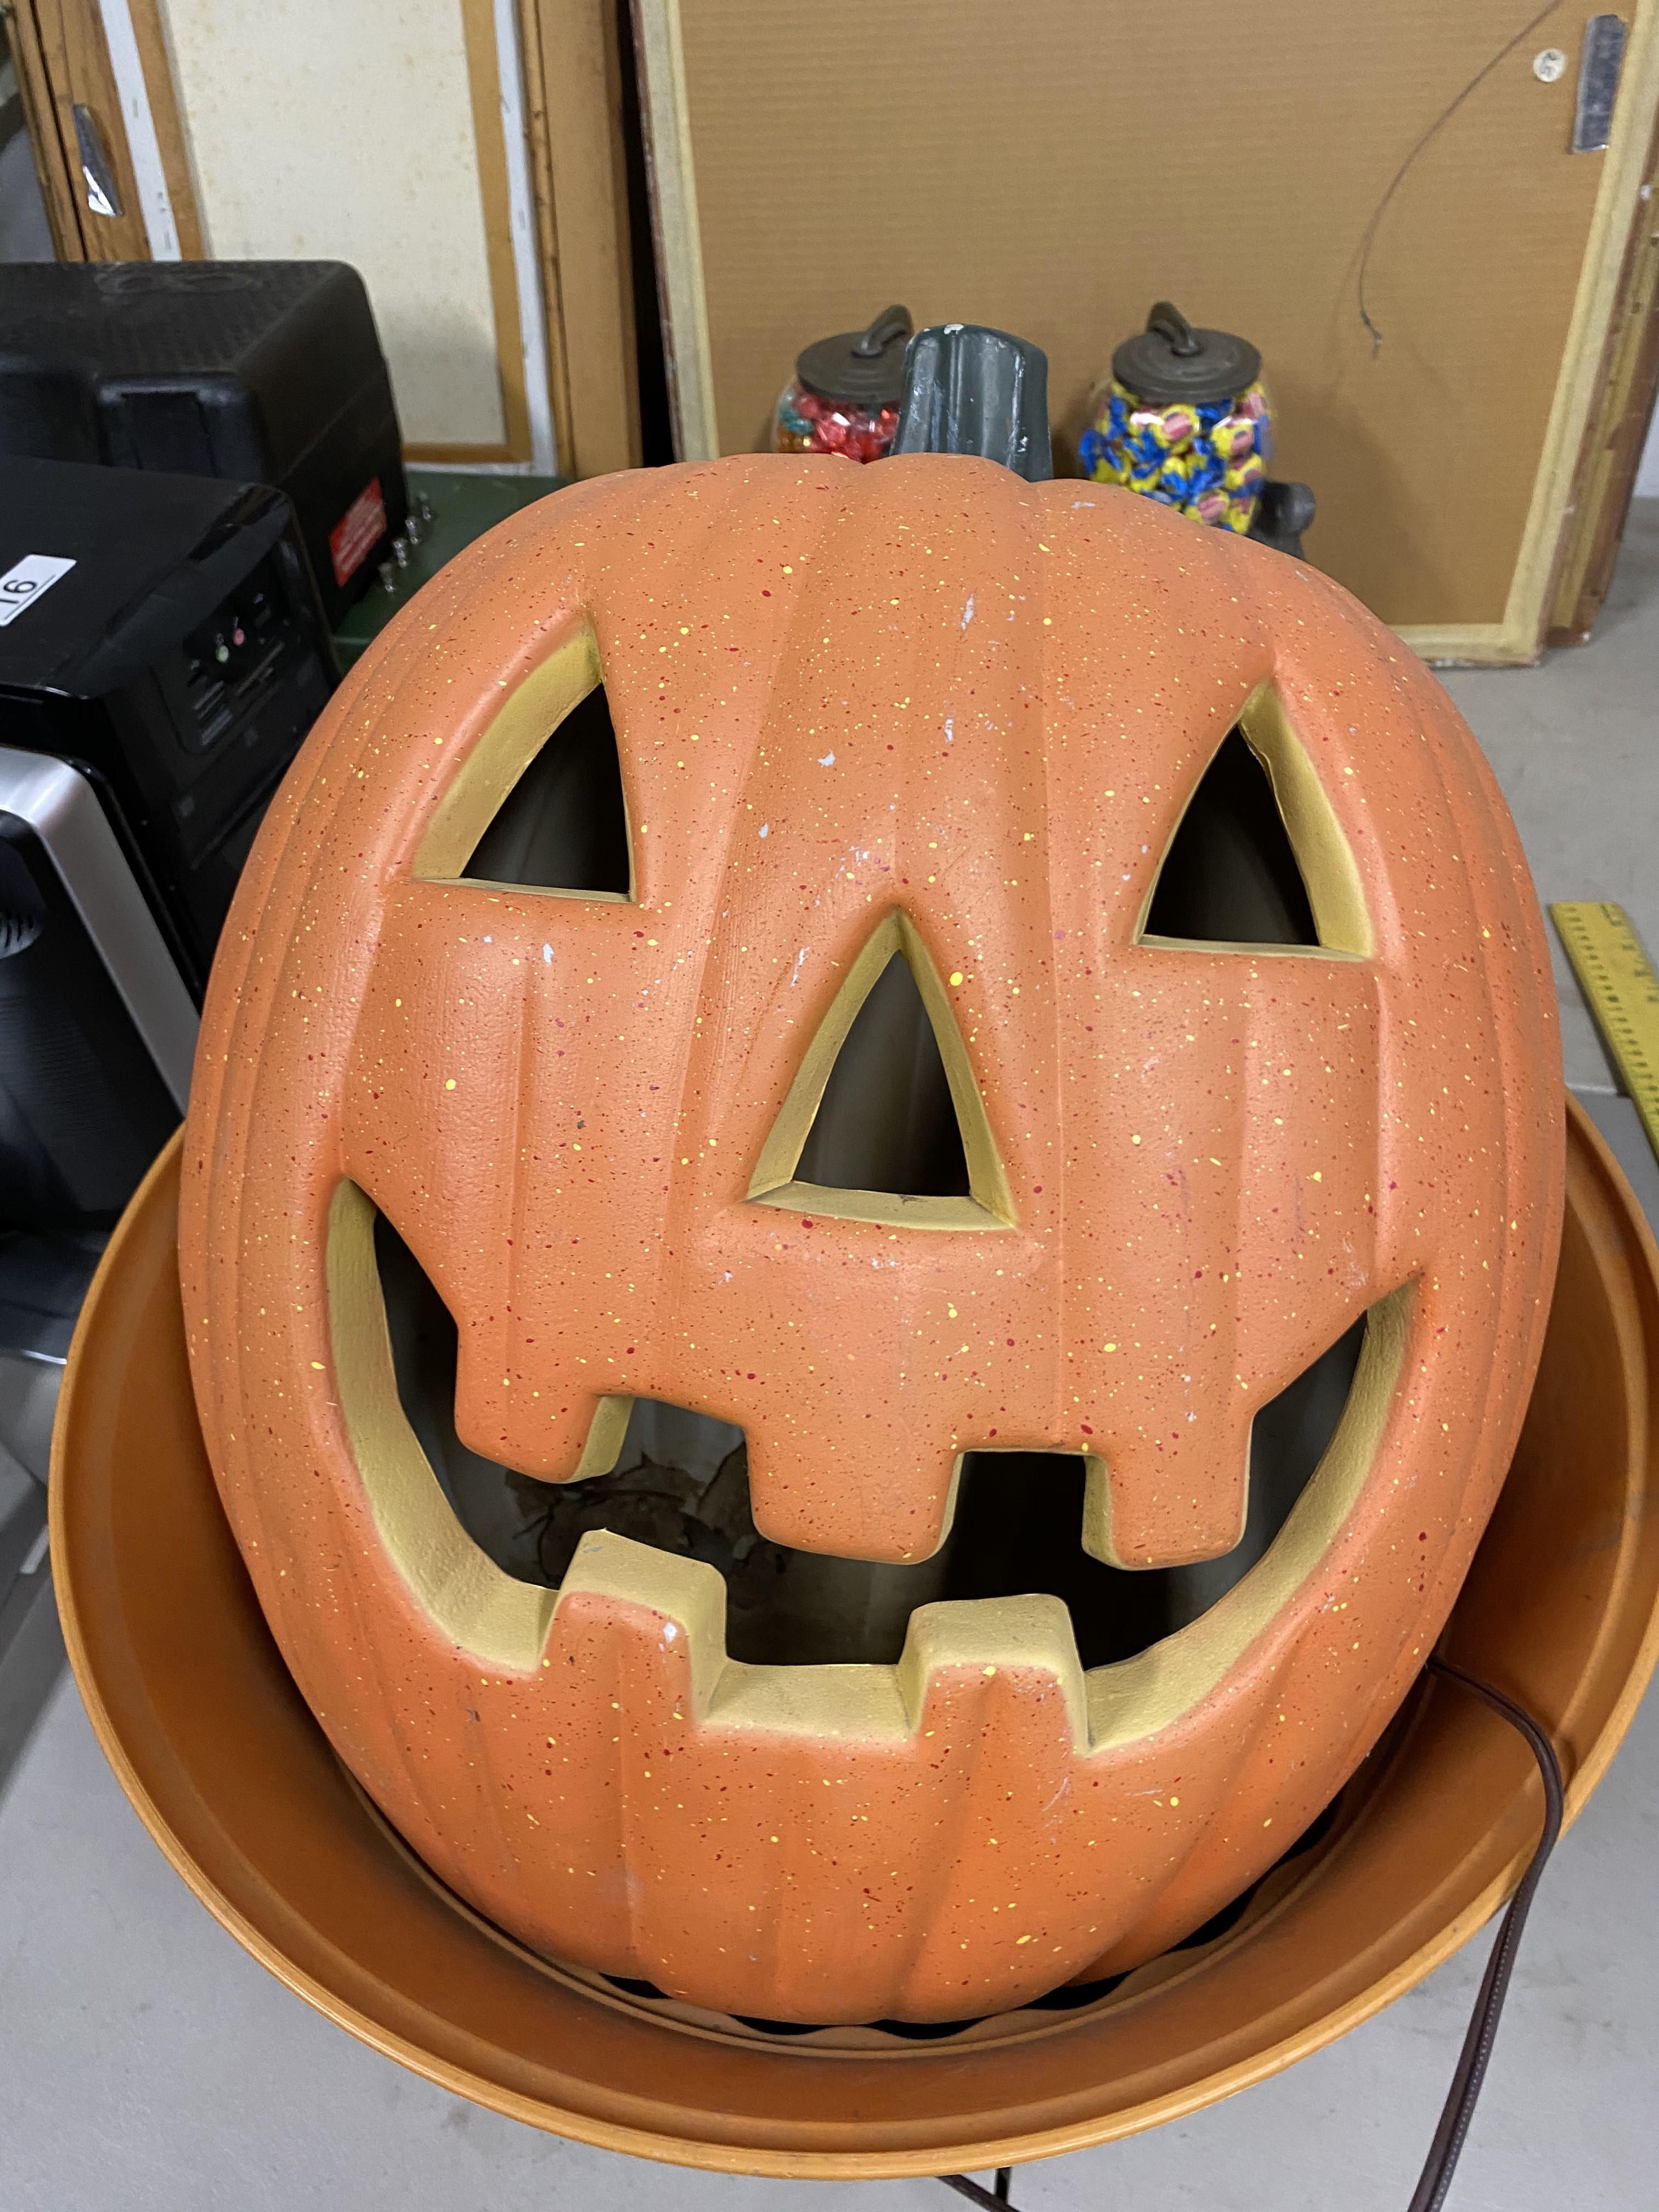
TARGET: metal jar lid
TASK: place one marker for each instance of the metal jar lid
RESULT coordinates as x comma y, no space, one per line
866,367
1171,360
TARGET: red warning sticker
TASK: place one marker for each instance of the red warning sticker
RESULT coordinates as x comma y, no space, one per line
362,525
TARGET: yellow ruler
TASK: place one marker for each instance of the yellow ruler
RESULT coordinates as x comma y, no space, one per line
1616,975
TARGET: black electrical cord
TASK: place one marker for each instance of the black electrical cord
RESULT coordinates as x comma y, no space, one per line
976,2195
1459,2110
1444,2151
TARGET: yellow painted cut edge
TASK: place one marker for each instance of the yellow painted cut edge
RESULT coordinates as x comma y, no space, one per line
521,726
679,237
1329,871
506,1622
1142,1696
1319,845
886,1209
990,1204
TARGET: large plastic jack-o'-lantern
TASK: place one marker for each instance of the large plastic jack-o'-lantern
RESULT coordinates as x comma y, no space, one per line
867,1212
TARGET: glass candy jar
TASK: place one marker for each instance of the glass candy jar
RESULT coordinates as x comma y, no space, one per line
844,397
1183,419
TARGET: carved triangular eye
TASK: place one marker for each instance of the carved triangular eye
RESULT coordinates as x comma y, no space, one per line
538,802
883,1120
1258,857
1230,875
563,826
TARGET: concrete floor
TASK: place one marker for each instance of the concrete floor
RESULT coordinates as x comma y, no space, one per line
1573,745
148,2065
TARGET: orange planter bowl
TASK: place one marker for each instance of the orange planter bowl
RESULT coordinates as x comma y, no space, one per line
238,1784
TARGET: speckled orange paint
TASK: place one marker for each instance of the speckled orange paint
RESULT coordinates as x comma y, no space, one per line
930,685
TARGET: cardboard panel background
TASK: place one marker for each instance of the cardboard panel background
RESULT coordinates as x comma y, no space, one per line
1055,169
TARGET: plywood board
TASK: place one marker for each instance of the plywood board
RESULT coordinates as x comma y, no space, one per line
155,64
1611,455
317,132
63,66
574,101
1056,169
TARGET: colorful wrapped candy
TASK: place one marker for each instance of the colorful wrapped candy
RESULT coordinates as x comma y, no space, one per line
1183,419
1234,435
805,422
844,396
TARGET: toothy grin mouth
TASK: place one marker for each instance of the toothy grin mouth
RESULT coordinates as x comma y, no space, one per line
680,1487
889,1128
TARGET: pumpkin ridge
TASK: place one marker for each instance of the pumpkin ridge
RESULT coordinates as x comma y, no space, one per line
744,506
228,1014
1469,803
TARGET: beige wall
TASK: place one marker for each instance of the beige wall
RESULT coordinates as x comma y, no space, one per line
342,129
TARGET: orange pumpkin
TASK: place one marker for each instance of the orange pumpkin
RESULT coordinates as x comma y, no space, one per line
848,1165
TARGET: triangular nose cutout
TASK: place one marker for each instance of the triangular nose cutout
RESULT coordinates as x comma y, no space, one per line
884,1121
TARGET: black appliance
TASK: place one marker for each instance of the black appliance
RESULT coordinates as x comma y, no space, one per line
96,1034
266,372
161,633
